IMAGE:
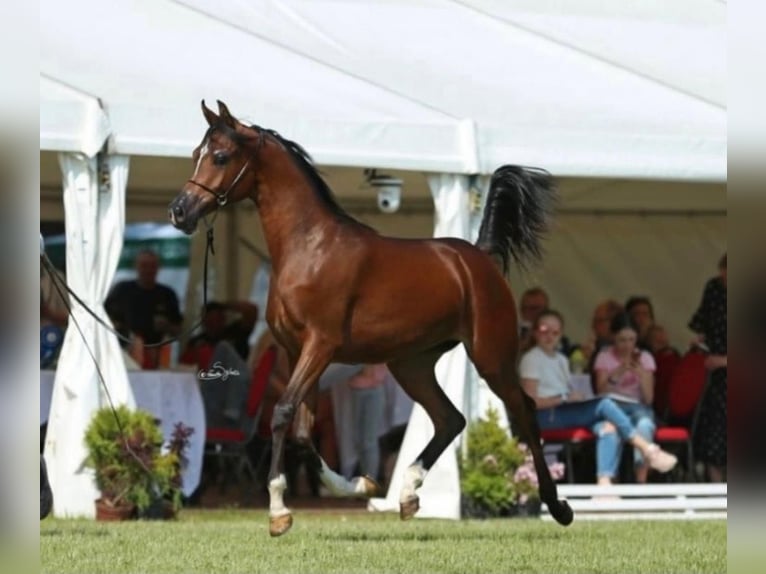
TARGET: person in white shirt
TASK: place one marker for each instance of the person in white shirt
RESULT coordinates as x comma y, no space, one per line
545,377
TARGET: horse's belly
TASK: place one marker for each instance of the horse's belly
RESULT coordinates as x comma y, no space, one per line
380,338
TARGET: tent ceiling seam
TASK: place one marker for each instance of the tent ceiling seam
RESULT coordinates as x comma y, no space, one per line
579,50
249,32
74,88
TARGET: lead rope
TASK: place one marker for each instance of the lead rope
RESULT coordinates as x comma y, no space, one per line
58,282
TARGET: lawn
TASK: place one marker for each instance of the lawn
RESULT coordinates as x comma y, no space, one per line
217,541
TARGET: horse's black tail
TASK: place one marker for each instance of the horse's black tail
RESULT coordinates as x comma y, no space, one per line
517,213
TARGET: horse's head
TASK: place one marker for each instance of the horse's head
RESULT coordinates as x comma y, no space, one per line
221,170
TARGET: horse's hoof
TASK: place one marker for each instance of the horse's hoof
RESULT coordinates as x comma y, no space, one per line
563,513
408,508
367,487
278,525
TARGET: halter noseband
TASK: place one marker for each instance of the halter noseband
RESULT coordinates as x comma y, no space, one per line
222,198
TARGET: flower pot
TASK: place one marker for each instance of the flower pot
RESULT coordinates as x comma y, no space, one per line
159,509
473,509
111,513
529,509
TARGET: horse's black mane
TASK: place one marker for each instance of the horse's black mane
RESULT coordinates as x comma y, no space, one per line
305,163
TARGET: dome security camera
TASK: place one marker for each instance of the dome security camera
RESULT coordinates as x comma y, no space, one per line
389,193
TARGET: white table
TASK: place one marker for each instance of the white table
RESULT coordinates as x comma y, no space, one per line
171,397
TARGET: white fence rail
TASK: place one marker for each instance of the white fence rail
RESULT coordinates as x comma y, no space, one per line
647,501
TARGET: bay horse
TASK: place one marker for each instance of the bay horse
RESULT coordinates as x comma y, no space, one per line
340,292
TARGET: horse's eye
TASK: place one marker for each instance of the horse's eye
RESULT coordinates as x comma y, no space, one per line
220,158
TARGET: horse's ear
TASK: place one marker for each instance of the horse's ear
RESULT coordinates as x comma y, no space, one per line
209,114
226,116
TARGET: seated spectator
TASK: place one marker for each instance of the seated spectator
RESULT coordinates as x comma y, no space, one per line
545,377
132,345
220,352
534,301
667,359
218,326
54,315
626,370
150,308
51,336
641,312
54,309
601,334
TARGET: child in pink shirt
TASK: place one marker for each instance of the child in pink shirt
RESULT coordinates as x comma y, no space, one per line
625,370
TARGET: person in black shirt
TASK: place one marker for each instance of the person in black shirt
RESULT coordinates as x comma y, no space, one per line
151,309
217,327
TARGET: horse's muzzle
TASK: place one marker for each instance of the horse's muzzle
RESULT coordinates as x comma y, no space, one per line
183,212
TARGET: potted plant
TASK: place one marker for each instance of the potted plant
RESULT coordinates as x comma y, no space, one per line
133,474
497,474
167,496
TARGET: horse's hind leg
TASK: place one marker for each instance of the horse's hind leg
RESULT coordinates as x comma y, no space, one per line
505,384
416,376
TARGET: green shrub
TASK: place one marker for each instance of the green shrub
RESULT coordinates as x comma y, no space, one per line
125,451
497,471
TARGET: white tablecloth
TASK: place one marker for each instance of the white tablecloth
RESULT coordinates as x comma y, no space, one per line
171,397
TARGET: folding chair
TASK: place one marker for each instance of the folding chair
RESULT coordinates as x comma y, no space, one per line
568,438
687,388
225,444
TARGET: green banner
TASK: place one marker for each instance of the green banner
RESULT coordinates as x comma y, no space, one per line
173,253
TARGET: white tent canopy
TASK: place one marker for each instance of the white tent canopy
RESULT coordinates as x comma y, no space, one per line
582,87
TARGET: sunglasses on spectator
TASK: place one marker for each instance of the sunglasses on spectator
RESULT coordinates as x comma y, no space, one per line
546,330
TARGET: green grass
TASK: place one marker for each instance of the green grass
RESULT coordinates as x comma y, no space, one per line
216,541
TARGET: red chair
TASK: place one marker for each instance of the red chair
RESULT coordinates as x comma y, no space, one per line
667,363
569,438
226,443
687,387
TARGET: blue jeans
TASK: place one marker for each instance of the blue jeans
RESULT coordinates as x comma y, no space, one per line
367,406
588,414
609,445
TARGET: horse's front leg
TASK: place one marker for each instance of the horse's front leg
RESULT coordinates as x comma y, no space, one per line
312,362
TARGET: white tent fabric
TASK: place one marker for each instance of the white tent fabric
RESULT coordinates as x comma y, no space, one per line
583,88
95,220
69,120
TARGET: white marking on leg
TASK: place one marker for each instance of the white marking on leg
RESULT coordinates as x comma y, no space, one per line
277,488
339,486
413,479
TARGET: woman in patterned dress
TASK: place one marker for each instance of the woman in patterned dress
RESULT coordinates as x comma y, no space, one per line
709,322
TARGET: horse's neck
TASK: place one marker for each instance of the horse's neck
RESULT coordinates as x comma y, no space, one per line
294,219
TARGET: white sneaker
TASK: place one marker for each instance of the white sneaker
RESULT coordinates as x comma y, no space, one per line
660,460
